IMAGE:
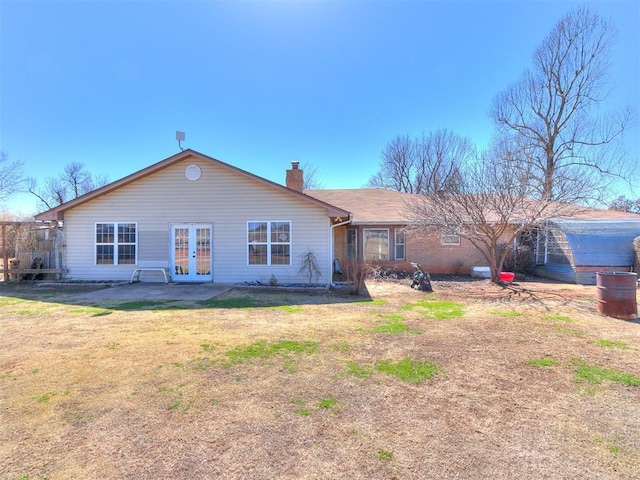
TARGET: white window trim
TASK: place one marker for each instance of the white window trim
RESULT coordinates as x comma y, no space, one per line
269,243
115,244
364,244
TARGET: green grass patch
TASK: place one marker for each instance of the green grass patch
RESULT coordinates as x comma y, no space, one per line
93,311
232,302
328,403
44,398
395,324
5,302
377,301
303,412
438,310
568,331
541,362
289,308
597,374
558,318
358,370
385,456
609,344
409,370
506,313
262,349
612,447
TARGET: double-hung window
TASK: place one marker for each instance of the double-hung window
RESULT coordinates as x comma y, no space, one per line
400,243
116,243
269,243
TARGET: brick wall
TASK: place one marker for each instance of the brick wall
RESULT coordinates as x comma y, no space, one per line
428,252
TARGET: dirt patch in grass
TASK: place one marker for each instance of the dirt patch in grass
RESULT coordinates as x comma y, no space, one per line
248,389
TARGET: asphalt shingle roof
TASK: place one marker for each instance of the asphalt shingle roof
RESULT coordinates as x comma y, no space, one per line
368,205
381,206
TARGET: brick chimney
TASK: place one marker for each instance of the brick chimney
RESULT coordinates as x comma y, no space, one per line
294,177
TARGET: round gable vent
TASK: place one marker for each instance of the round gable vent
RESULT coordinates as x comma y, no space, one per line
192,172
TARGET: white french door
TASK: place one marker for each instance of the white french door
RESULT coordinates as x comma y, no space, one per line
191,253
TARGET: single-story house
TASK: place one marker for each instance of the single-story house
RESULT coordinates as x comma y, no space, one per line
202,220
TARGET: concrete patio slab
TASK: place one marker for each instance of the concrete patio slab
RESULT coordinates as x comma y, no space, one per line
157,291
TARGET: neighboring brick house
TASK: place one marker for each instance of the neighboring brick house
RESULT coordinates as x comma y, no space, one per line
570,250
379,232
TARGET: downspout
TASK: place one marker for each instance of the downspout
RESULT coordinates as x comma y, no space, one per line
331,259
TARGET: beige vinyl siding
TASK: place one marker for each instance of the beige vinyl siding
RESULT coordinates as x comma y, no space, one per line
221,198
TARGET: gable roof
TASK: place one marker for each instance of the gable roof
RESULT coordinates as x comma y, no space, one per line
369,205
57,213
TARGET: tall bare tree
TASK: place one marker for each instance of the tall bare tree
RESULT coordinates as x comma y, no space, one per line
422,165
74,181
554,108
11,176
491,206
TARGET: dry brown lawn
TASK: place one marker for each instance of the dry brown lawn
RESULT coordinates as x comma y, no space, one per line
154,391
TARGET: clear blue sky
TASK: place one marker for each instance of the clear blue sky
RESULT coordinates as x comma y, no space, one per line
260,83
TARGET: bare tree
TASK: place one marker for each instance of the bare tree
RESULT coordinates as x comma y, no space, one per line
397,169
11,176
74,181
491,206
554,109
311,179
422,165
624,204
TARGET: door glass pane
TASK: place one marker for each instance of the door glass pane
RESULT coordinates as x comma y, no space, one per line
181,246
203,251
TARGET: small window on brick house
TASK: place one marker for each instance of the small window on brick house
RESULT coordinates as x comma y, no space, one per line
400,243
450,237
352,243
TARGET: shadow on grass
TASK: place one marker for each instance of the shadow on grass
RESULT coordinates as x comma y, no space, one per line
237,297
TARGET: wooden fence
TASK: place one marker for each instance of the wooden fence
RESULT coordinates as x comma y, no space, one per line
30,251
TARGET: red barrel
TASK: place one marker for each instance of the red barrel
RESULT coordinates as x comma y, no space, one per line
617,294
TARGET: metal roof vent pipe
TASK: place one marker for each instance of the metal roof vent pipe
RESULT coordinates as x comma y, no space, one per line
295,177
